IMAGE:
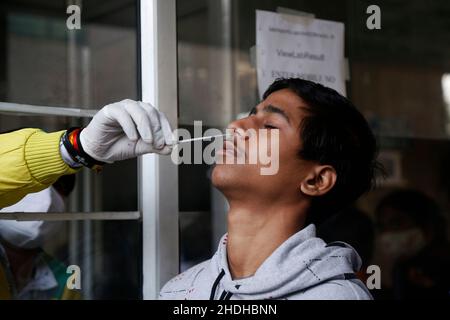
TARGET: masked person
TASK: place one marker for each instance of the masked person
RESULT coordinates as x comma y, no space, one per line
411,247
326,156
26,271
31,160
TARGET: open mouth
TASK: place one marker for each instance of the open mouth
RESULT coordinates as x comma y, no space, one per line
231,150
228,149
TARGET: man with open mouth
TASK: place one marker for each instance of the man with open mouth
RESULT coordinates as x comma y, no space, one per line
326,160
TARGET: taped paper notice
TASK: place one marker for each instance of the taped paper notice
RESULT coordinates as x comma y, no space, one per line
302,47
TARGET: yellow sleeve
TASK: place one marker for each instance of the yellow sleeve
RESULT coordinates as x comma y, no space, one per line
30,161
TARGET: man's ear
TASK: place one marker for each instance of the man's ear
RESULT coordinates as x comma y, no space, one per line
319,181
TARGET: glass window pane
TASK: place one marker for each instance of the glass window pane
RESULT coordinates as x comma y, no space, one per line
399,79
43,63
90,251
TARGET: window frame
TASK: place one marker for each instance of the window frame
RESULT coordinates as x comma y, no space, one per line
157,176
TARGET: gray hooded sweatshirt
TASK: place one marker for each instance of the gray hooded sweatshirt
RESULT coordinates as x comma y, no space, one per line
303,267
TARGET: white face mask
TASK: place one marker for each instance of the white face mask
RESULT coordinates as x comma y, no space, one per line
400,244
392,247
31,234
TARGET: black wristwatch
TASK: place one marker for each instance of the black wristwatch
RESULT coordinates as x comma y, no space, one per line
71,141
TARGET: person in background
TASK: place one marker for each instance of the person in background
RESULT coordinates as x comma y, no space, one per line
31,159
412,247
26,270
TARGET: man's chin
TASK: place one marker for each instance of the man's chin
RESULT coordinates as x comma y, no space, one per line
224,175
217,175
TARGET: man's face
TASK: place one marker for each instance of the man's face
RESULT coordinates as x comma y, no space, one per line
283,111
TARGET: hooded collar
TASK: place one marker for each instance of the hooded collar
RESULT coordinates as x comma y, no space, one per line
299,263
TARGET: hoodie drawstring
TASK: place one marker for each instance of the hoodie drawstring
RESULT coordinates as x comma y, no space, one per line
216,283
225,294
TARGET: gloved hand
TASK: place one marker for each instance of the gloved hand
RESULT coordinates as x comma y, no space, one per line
127,129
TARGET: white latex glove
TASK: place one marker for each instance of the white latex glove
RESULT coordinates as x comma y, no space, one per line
125,130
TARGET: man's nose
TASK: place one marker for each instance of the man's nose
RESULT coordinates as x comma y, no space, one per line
244,124
241,127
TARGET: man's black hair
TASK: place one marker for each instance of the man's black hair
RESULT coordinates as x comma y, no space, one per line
334,133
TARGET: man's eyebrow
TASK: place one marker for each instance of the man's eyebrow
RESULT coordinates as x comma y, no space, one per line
273,109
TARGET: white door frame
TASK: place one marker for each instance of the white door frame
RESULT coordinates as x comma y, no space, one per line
158,176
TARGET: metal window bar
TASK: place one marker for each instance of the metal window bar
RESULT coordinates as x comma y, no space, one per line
27,109
72,216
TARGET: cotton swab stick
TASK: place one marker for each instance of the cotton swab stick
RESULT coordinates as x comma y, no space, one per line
204,138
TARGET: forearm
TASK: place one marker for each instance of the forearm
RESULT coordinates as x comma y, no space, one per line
30,161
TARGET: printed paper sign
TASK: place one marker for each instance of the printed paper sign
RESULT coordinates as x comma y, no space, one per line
303,47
